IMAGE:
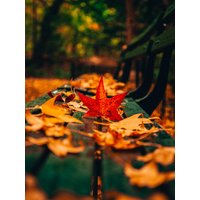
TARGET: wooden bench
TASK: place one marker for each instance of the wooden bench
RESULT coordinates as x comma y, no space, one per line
158,38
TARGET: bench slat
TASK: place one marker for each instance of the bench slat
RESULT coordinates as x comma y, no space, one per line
147,33
164,40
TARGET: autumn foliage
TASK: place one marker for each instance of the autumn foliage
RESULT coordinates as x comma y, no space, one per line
55,124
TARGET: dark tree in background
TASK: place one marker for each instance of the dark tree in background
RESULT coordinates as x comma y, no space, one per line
130,20
40,48
58,30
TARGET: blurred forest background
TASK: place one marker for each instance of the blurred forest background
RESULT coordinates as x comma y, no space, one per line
61,34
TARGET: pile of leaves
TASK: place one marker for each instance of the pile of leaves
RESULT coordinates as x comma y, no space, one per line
91,81
48,126
111,130
35,87
149,175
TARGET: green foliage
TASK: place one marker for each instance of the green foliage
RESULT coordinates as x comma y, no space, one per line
85,28
61,73
79,29
82,28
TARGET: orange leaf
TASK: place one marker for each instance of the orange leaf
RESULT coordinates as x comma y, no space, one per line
38,141
57,131
35,123
62,147
162,155
113,140
50,121
148,175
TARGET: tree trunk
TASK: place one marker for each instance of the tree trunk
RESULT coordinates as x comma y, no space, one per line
130,20
46,32
34,32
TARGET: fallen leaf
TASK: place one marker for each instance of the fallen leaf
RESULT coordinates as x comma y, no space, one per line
108,139
70,98
38,141
35,123
90,82
33,192
162,155
62,147
49,108
133,126
147,176
57,131
158,196
66,195
50,121
102,106
116,195
77,106
104,139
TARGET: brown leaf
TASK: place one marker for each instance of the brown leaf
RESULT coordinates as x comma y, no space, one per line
158,196
133,125
104,139
147,176
116,195
38,141
33,192
35,123
77,106
90,81
162,155
113,140
62,147
57,131
66,195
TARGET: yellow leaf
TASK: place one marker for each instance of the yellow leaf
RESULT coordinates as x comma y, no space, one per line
113,140
147,176
50,121
62,147
49,108
162,155
38,141
35,123
133,125
57,131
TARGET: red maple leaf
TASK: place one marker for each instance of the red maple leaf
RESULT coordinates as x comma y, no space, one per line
103,106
